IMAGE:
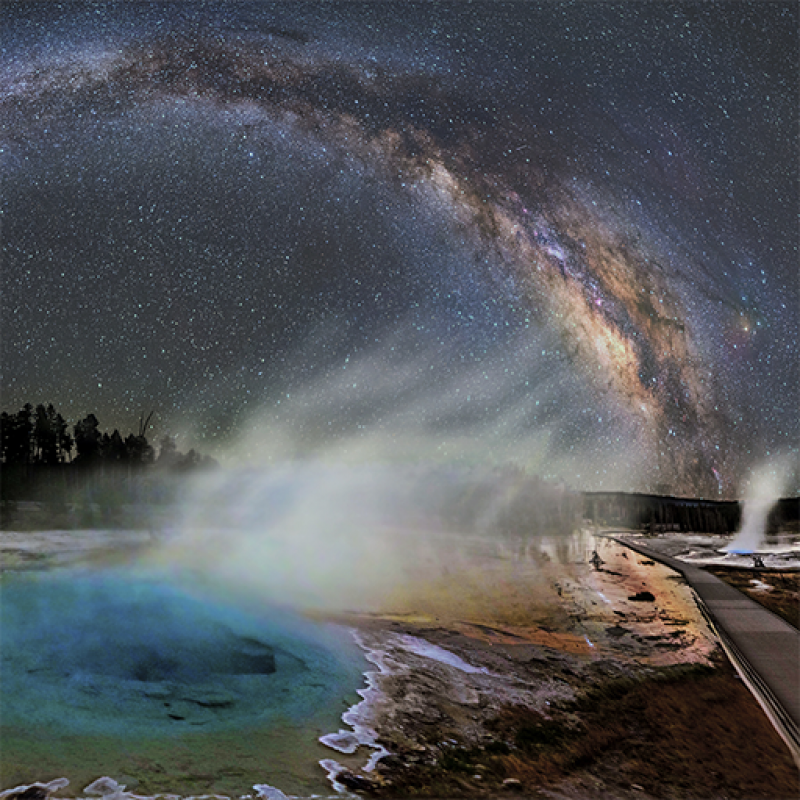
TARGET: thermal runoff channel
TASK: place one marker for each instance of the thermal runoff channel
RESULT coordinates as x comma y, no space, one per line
463,234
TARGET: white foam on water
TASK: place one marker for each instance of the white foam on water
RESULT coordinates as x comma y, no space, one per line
343,741
357,717
267,792
107,788
333,768
53,786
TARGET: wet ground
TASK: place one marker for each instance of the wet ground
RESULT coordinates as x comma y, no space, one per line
567,667
532,624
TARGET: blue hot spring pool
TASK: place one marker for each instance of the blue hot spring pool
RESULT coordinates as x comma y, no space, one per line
163,687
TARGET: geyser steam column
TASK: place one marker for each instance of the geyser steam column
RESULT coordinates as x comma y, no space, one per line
766,486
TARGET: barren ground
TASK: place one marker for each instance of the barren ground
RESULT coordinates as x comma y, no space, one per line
572,689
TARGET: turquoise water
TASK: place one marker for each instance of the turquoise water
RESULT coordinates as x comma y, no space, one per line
121,661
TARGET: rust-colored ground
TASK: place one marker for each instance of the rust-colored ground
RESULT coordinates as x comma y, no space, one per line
655,710
694,733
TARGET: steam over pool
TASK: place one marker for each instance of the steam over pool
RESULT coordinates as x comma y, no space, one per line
129,657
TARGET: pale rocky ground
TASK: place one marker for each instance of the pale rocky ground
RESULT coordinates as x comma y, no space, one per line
520,623
778,551
44,549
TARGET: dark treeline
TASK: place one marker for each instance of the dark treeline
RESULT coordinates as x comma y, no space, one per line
40,436
785,515
657,514
44,460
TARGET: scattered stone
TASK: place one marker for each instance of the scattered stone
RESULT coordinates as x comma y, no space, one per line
266,792
643,597
637,788
344,741
103,787
511,783
34,792
356,783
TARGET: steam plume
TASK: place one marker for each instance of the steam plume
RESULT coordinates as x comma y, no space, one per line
767,484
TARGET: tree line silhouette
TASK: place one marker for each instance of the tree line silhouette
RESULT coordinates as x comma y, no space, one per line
43,459
40,436
662,514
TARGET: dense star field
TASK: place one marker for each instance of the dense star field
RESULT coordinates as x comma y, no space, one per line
559,234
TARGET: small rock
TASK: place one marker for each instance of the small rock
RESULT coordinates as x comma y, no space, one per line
31,793
211,699
36,791
356,783
511,782
343,741
103,787
636,787
266,792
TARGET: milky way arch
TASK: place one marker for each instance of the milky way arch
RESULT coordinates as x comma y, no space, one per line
247,218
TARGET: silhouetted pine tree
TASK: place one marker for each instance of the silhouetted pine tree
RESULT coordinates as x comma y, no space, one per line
52,443
88,441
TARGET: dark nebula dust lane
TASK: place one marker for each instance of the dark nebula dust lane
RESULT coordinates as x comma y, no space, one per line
557,234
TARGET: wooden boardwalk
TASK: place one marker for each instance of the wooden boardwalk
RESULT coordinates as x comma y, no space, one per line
764,648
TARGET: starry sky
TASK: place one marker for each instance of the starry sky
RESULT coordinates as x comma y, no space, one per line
562,235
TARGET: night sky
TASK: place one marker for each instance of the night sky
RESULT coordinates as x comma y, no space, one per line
562,235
